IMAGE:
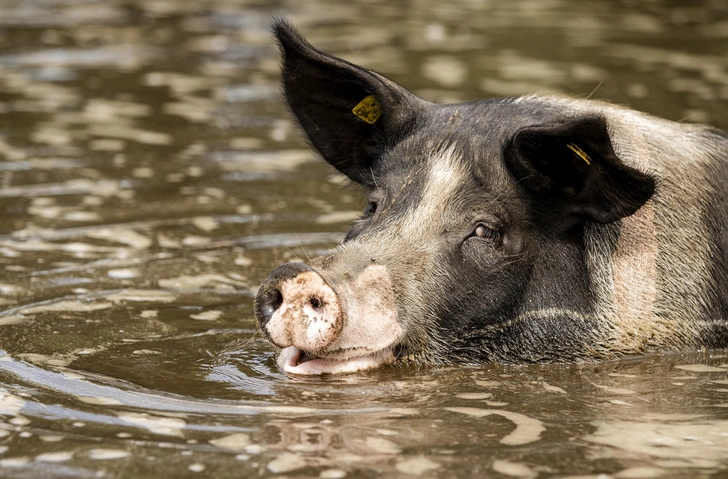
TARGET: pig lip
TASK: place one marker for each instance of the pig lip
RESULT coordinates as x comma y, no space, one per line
295,361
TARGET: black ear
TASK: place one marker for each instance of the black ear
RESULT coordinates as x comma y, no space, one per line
572,167
349,113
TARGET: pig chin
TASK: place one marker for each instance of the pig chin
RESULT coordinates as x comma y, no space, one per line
323,329
293,360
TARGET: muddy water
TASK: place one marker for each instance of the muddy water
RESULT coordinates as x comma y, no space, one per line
150,177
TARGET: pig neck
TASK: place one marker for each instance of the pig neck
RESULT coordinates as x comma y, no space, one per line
559,279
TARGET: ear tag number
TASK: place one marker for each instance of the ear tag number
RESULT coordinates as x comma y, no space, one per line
580,153
368,110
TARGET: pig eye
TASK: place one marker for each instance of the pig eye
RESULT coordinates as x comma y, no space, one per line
486,233
370,209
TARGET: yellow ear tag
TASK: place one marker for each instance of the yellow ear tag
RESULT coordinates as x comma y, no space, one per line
368,110
580,153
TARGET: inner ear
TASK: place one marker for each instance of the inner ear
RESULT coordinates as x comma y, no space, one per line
572,167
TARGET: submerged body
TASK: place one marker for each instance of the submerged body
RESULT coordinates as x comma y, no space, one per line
527,229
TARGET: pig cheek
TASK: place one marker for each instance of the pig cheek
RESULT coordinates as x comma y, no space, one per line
480,254
372,318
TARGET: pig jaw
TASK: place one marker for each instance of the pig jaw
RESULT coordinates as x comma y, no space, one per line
325,330
290,361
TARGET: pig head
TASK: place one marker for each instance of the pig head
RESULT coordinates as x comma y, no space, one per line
491,231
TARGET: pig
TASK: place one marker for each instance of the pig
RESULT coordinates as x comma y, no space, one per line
511,230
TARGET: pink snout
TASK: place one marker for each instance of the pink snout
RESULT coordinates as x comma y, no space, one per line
323,330
296,307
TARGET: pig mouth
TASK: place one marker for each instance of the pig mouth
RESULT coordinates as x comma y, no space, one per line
295,361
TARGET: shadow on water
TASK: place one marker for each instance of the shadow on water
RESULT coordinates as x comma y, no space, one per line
150,177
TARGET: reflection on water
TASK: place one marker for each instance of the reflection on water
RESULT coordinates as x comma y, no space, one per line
150,177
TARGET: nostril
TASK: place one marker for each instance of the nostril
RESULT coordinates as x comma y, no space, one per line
316,303
271,302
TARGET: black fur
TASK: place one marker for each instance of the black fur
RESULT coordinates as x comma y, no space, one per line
322,90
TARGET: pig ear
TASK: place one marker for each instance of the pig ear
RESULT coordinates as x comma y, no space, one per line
573,166
348,113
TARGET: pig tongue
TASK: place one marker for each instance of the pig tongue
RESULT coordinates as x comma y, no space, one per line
290,357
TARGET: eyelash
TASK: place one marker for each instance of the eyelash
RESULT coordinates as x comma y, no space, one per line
485,232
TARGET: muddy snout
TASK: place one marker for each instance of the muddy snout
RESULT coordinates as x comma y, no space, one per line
296,307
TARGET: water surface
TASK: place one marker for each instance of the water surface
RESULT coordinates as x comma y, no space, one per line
150,177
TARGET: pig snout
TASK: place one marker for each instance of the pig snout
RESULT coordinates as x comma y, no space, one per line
325,329
296,307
